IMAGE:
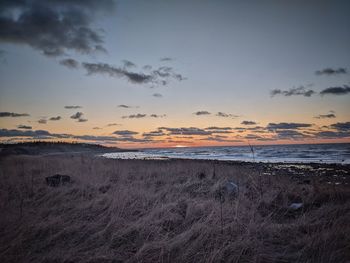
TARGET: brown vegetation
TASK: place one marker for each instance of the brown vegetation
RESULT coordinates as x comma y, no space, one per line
166,211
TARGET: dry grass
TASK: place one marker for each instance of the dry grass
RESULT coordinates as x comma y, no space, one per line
165,211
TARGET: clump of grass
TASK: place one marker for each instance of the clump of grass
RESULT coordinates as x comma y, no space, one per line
165,211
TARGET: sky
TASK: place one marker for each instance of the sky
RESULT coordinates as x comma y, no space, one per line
175,73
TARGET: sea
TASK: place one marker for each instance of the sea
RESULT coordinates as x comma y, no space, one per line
300,153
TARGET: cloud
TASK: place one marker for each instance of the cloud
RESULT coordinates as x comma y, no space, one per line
12,114
73,107
336,90
24,127
331,71
157,95
128,64
248,123
290,134
154,133
126,136
300,91
219,128
97,128
135,116
325,116
203,112
185,131
287,126
157,116
160,76
125,133
55,118
341,126
103,68
226,115
166,59
53,27
42,121
113,124
79,117
69,63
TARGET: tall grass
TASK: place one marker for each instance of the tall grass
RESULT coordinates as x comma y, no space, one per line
165,211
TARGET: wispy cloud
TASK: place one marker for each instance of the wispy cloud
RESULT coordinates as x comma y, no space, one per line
42,121
24,127
157,115
226,115
300,91
248,123
135,116
73,107
331,71
125,133
57,118
157,95
329,115
12,114
69,63
202,112
128,64
287,125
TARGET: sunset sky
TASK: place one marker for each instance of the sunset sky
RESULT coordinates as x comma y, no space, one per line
168,73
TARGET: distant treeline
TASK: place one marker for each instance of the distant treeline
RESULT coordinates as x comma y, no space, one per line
51,143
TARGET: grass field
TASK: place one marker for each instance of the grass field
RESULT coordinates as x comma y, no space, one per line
167,211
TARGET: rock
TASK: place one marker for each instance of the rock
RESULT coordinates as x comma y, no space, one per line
296,206
57,180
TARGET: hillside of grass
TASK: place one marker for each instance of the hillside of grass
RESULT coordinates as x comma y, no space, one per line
168,211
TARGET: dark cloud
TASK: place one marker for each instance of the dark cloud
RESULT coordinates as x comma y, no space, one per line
113,124
157,95
42,121
219,138
135,116
55,118
77,115
202,112
331,71
147,67
128,64
219,128
24,127
154,133
166,59
69,63
103,68
126,136
73,107
226,115
332,134
185,131
300,91
125,133
157,116
341,126
161,76
325,116
53,27
336,90
125,106
290,134
12,114
248,123
287,126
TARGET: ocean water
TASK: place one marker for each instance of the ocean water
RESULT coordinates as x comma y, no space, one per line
304,153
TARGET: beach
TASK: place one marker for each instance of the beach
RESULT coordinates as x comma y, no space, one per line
172,210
